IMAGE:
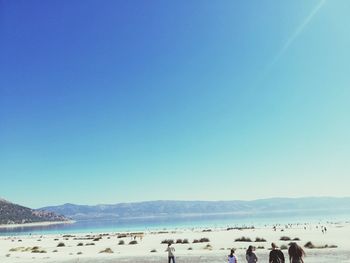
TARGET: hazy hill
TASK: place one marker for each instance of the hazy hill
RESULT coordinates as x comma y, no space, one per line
197,208
16,214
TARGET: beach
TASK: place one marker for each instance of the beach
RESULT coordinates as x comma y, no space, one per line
191,244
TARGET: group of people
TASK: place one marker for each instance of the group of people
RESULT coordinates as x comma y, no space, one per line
295,252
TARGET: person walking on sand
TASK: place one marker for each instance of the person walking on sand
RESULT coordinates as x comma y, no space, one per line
276,255
170,251
250,255
232,257
296,253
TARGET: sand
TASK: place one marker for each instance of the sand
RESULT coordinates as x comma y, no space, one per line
20,248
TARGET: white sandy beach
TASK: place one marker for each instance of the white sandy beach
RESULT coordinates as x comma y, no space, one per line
36,248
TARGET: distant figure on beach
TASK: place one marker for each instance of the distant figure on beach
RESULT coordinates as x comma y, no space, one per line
250,255
276,255
170,251
232,257
296,253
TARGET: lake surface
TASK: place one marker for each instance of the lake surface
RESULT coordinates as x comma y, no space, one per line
178,222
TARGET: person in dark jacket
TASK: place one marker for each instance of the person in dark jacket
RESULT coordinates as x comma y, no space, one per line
276,255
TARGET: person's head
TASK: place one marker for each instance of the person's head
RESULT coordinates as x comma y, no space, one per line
232,251
274,246
295,251
169,244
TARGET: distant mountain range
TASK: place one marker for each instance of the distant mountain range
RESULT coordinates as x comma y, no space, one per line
16,214
151,209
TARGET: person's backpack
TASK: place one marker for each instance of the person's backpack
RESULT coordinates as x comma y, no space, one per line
277,258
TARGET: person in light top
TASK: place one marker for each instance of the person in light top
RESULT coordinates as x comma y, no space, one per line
171,256
232,257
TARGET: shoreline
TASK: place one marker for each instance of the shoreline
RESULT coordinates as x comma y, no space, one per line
46,223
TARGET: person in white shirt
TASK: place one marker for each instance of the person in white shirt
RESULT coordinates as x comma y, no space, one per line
232,257
171,256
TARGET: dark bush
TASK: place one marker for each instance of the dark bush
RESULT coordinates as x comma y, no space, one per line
167,241
243,239
284,238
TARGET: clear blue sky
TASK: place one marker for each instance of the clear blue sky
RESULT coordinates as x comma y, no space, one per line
111,101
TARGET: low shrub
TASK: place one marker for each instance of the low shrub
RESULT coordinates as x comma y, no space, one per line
309,245
284,247
243,239
167,241
107,250
284,238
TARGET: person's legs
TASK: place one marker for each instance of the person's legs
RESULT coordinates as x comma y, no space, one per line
169,258
173,258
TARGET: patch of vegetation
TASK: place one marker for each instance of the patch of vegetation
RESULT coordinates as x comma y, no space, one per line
243,239
167,241
285,238
310,245
133,242
208,247
284,247
107,250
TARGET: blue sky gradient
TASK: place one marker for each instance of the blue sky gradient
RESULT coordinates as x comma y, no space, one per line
111,101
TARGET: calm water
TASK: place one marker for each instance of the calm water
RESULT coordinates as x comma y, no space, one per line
211,221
